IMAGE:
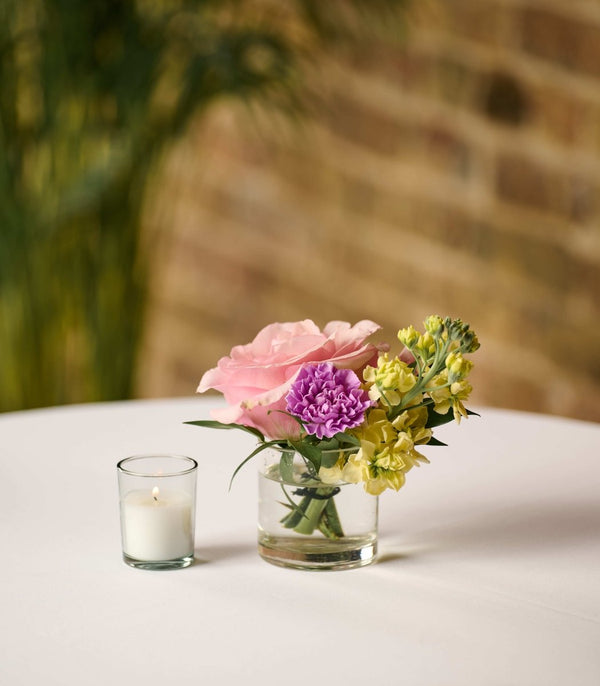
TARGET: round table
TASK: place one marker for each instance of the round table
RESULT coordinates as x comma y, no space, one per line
489,568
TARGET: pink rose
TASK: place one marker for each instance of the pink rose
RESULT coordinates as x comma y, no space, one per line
255,378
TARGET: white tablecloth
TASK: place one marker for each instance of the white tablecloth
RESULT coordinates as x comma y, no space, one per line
489,570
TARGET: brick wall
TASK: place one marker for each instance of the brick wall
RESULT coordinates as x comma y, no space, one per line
458,174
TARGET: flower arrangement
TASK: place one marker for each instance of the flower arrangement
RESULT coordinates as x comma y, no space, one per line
352,412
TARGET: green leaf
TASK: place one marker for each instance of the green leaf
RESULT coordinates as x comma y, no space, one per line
347,439
435,441
311,452
329,459
436,419
260,448
211,424
331,444
297,513
330,524
286,466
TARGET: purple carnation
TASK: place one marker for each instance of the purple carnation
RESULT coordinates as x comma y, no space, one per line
327,400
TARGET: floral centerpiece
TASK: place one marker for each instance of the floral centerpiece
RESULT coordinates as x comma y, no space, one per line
336,409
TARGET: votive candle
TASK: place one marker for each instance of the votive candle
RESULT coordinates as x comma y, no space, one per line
157,499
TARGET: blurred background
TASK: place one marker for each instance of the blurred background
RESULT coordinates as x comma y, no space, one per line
175,175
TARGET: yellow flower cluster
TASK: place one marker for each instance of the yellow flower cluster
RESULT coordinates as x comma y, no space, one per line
387,451
423,345
402,393
450,395
449,388
389,380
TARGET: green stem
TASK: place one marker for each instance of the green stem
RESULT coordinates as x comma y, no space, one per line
437,388
425,403
297,514
421,363
312,516
440,355
330,522
316,510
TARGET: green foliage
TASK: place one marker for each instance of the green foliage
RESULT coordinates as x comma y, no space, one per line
212,424
435,419
316,452
91,93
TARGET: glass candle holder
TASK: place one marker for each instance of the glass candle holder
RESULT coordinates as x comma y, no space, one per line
157,495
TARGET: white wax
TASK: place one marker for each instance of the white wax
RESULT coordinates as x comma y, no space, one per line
157,529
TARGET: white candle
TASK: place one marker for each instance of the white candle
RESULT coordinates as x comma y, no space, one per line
157,524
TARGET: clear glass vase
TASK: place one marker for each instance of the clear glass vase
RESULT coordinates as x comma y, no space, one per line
305,523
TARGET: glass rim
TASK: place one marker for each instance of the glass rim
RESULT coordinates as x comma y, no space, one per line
280,449
142,456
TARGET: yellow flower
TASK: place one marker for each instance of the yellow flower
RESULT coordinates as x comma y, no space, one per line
414,422
458,368
390,379
450,396
387,449
461,390
357,468
441,394
331,475
434,325
426,346
378,485
408,337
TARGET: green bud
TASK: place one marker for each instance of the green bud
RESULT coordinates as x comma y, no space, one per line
469,343
457,329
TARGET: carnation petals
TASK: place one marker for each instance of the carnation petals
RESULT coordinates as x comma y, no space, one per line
327,400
